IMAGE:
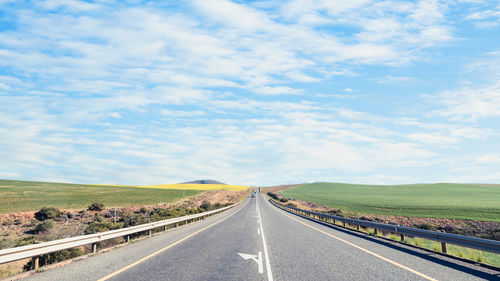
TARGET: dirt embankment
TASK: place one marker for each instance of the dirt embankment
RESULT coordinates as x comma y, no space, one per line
19,229
481,229
73,222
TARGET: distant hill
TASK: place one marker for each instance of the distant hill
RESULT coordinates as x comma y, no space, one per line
204,182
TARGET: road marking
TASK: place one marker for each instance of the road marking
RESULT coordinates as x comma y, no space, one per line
258,231
266,254
363,249
256,258
167,247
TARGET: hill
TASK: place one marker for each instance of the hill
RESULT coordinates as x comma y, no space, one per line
204,182
441,200
22,196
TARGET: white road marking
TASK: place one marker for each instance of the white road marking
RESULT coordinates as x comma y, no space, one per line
258,231
256,258
266,254
261,266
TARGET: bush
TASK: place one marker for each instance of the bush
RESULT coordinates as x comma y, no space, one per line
47,213
161,213
4,243
25,241
96,207
292,204
44,226
97,227
131,219
55,257
284,200
143,210
99,219
273,195
427,226
205,205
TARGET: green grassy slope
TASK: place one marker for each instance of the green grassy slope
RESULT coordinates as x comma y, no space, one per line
21,196
442,200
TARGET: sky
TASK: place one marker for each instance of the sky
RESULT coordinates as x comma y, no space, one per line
250,92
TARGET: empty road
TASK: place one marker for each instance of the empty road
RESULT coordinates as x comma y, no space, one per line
257,241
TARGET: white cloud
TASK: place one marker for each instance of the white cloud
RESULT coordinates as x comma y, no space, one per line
489,159
278,90
471,103
433,138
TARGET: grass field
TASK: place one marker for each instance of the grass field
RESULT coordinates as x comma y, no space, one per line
22,196
189,186
443,200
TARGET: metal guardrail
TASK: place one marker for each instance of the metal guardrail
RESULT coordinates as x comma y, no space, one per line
36,250
445,238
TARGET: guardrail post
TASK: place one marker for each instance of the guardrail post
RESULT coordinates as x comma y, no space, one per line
443,247
343,223
357,227
402,237
35,263
164,228
127,238
94,248
176,224
150,232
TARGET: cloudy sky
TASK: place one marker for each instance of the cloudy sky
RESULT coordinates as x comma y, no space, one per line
250,92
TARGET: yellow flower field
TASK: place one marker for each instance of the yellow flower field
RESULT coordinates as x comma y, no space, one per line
192,186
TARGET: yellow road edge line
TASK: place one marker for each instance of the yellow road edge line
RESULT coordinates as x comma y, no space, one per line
363,249
165,248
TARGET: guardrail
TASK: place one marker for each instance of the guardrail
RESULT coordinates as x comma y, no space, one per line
36,250
445,238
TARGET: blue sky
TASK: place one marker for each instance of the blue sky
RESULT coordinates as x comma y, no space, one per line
250,92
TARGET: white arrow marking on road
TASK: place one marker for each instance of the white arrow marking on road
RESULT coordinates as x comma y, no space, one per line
257,259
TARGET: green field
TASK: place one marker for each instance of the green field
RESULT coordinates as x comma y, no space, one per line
442,200
22,196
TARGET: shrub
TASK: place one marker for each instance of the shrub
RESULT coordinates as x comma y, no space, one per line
4,243
47,213
44,226
205,205
143,210
131,219
97,227
25,241
273,195
55,257
161,213
98,218
292,204
427,226
284,200
96,207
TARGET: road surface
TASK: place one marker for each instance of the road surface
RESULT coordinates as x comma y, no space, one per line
257,241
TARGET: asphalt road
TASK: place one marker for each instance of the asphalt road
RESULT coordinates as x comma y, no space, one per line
257,241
